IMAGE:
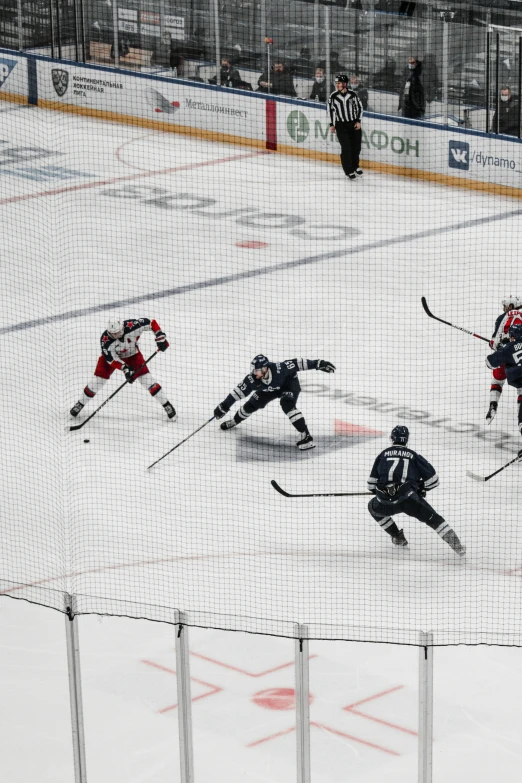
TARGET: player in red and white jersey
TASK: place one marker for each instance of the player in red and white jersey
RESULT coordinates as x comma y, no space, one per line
120,351
512,315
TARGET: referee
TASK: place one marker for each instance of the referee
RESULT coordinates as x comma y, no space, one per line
346,112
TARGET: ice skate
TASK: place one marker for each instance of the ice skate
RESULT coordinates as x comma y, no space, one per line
400,539
492,412
227,425
75,410
306,442
170,411
453,540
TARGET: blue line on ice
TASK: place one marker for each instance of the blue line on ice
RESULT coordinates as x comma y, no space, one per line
264,270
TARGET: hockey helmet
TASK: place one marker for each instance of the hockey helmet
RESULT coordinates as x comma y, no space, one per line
515,332
258,362
511,302
115,328
342,77
400,434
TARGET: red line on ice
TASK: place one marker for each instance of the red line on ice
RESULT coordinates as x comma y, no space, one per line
351,708
244,671
213,688
113,180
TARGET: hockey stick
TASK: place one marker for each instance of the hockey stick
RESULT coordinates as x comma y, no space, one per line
460,328
475,477
79,426
317,494
181,443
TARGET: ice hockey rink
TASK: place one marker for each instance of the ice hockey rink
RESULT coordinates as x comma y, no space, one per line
237,251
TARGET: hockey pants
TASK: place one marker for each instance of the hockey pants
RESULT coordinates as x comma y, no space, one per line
287,399
413,506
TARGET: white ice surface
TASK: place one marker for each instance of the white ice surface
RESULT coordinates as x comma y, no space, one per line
205,532
131,727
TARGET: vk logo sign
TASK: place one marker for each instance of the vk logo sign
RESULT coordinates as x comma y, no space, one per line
6,66
459,155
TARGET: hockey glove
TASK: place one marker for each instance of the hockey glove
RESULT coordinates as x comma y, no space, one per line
161,341
325,366
221,411
129,375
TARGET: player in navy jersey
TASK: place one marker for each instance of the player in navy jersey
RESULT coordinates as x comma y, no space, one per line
512,307
120,351
270,381
509,357
400,479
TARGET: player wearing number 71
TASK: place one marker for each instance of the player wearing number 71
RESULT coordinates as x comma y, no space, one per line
400,479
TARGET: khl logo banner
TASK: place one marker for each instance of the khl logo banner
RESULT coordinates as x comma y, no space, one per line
6,66
60,81
459,155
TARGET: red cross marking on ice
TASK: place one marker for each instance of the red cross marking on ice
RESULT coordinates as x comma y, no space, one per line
245,671
212,688
288,703
352,708
338,733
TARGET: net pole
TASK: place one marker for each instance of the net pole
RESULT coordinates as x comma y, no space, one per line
371,45
217,42
488,79
520,87
51,23
186,753
302,704
115,34
75,689
20,25
328,73
316,30
497,83
425,742
445,58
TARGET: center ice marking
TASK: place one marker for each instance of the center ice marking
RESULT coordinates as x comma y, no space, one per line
277,699
252,448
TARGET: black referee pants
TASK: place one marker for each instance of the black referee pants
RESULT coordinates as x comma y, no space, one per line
350,141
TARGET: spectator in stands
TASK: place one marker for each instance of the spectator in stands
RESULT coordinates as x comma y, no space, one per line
319,92
385,78
228,76
335,66
161,54
123,46
359,88
102,27
303,65
280,83
412,103
507,113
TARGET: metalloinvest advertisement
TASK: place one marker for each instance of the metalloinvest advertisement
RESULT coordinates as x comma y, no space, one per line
117,95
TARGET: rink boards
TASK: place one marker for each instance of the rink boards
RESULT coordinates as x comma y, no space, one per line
449,156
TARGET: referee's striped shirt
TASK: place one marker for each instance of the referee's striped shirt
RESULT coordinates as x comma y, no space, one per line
344,108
